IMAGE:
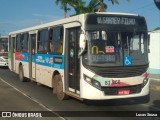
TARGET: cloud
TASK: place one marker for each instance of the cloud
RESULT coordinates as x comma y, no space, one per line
47,16
29,22
5,22
12,25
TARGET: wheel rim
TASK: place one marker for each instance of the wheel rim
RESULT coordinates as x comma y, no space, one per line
20,74
60,93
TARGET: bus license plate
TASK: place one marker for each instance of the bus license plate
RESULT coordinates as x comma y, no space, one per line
123,92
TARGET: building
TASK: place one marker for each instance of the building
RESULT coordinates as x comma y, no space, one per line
154,55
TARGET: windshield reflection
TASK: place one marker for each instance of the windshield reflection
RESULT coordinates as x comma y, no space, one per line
110,47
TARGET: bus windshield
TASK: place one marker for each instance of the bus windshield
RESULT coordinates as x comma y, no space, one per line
110,47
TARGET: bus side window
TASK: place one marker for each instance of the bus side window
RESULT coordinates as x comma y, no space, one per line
24,42
13,48
58,40
43,41
61,40
51,41
9,43
18,43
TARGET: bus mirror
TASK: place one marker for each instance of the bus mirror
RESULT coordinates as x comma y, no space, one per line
82,43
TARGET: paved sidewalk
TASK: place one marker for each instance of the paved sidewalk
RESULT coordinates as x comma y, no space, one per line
13,101
154,77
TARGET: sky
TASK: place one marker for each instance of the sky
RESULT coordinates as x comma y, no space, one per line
20,14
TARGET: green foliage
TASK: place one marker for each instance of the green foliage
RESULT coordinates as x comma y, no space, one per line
158,28
80,6
63,5
114,1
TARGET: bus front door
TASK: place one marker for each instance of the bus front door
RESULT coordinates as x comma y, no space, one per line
32,57
72,62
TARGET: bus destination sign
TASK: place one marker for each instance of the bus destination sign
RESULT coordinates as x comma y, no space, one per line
116,20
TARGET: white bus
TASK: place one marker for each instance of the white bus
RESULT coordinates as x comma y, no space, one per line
3,50
94,56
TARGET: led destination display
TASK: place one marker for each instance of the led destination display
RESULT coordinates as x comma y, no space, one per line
109,20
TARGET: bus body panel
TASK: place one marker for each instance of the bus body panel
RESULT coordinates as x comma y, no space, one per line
92,93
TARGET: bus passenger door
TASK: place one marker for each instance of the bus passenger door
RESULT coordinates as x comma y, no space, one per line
32,57
72,61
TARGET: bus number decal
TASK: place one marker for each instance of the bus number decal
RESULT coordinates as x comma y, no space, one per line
112,82
108,82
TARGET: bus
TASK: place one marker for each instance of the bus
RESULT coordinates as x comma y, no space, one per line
93,56
3,50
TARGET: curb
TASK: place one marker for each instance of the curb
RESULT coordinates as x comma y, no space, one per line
155,79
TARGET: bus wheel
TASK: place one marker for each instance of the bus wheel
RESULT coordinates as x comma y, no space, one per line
21,74
54,84
59,88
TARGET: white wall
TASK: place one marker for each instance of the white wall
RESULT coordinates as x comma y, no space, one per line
154,55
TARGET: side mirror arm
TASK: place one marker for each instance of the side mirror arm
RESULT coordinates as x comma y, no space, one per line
83,49
82,43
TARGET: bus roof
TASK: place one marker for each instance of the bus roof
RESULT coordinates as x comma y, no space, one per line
65,20
117,13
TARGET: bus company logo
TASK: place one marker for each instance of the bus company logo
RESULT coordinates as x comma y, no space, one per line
6,114
51,60
47,59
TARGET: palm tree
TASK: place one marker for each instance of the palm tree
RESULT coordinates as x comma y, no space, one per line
63,5
101,6
93,6
78,5
114,1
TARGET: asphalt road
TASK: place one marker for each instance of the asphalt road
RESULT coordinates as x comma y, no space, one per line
44,98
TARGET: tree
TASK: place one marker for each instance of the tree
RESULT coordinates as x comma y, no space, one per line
157,2
158,28
93,6
80,6
114,1
101,6
63,5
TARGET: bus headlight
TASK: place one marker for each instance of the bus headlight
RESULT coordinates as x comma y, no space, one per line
87,79
96,84
93,82
145,80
